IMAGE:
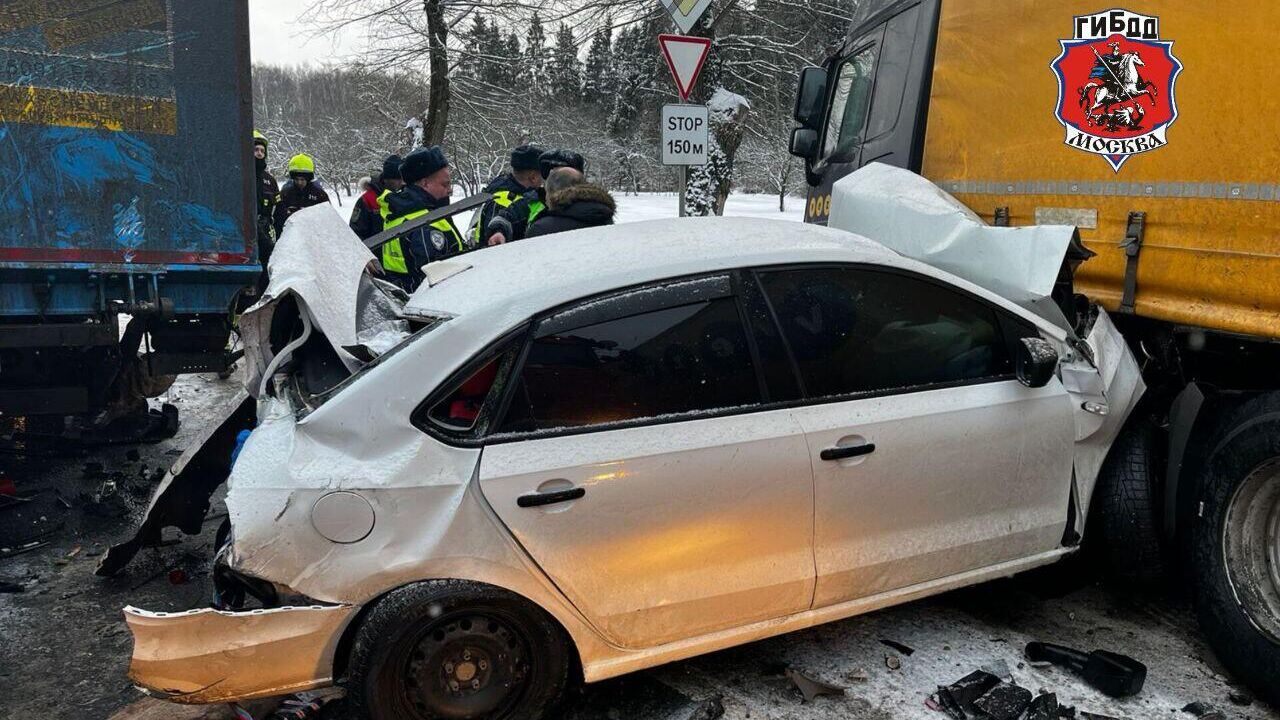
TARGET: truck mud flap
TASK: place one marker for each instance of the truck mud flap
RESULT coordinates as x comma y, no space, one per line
181,499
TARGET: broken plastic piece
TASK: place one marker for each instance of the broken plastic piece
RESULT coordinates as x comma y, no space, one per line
809,687
1204,711
1005,701
963,692
904,649
1044,707
1110,673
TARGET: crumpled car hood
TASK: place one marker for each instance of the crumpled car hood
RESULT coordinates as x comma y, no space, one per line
919,220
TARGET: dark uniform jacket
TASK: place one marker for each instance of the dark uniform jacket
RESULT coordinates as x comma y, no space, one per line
505,183
574,208
268,191
292,199
366,217
513,221
428,243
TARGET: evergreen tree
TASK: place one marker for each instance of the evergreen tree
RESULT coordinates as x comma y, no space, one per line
597,77
565,71
471,63
534,68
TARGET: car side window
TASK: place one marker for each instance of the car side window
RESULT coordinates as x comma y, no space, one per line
849,103
684,359
852,330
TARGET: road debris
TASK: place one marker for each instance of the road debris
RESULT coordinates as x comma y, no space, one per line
1204,711
11,587
1045,707
1110,673
893,662
904,649
1005,701
809,687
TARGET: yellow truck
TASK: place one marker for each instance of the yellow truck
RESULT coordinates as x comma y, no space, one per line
1153,128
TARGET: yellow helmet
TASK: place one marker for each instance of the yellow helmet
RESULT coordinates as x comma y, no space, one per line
302,164
260,139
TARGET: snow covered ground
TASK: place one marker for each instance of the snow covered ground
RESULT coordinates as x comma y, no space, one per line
651,206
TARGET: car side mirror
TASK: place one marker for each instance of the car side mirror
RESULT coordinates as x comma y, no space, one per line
1037,360
811,91
804,143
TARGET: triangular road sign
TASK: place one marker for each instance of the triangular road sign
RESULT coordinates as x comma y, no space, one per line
685,13
685,56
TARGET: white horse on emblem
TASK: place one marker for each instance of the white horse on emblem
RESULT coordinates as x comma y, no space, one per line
1127,84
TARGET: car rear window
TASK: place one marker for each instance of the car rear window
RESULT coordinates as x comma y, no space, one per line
683,359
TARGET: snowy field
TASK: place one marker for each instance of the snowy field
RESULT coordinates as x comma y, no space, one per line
652,206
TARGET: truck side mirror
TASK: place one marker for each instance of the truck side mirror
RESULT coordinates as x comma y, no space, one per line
810,94
804,143
1036,362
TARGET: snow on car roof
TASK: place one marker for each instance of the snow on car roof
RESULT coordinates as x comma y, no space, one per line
536,274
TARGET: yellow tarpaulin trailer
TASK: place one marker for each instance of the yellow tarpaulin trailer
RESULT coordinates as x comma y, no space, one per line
1210,252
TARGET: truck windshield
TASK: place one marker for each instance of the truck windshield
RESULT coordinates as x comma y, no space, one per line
849,103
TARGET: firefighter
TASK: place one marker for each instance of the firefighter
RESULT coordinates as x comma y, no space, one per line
509,187
268,191
370,209
302,191
427,185
511,223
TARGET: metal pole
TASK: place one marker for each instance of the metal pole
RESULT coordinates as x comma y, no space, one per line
684,187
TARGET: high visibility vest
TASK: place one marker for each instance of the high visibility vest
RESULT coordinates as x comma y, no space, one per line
393,259
503,199
383,208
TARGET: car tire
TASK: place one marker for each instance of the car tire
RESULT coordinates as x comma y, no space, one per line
1235,548
456,649
1125,529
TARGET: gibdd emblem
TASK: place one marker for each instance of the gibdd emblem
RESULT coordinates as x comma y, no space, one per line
1115,85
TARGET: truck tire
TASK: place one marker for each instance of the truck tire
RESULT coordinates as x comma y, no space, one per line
457,649
1235,545
1124,529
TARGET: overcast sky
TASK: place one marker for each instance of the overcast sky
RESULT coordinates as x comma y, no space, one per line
278,39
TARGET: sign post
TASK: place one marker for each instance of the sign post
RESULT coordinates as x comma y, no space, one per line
685,136
685,132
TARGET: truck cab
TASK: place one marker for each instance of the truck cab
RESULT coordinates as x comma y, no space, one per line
1122,123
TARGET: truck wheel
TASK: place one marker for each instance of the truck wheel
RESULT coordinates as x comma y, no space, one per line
1124,526
456,649
1236,545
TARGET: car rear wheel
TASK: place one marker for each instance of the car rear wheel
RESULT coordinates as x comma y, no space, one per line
456,650
1236,546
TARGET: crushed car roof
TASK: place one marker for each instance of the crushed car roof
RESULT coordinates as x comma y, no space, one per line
540,273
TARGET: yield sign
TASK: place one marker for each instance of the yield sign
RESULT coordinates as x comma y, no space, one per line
685,13
685,56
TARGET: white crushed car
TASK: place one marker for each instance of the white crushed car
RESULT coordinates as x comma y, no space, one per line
605,450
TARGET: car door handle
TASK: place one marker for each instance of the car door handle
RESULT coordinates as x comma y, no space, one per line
550,498
840,453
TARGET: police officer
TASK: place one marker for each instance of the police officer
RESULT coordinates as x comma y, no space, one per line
302,191
427,185
368,216
512,222
268,190
509,187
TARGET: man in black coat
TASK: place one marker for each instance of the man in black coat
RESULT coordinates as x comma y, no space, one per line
512,222
572,204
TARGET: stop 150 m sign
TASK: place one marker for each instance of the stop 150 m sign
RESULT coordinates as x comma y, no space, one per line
684,134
